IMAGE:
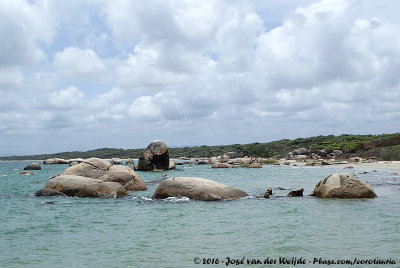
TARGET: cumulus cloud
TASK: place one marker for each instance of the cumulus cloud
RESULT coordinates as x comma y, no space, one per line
75,62
67,98
236,71
10,79
22,26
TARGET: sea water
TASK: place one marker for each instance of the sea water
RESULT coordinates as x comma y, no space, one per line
136,231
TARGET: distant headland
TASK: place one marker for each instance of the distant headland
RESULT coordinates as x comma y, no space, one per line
382,147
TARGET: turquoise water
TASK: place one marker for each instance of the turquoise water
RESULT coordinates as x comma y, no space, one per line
139,232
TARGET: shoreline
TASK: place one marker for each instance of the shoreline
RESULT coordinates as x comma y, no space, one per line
385,165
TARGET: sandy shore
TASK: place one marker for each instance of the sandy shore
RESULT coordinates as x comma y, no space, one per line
387,165
395,165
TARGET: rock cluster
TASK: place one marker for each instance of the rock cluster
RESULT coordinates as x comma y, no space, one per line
94,178
303,153
228,161
60,161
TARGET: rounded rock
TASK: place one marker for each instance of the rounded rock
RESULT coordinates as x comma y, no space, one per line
197,189
342,185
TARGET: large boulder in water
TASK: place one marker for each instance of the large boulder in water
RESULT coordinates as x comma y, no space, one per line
125,176
154,157
33,166
171,165
198,189
92,168
342,185
78,186
130,161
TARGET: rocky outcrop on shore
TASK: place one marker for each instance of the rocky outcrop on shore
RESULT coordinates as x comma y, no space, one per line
154,157
255,165
197,189
221,165
225,161
342,185
304,154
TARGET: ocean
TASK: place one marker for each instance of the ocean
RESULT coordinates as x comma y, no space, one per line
136,231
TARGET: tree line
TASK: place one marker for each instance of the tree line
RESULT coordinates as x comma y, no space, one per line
384,147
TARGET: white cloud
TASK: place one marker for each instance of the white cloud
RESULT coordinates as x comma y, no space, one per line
146,108
217,71
22,26
75,62
142,70
109,105
10,79
67,98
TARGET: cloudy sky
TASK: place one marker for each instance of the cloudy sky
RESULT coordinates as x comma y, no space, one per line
79,75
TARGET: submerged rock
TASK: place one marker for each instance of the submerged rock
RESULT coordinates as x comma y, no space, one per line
342,185
348,167
26,173
202,162
92,168
296,193
78,186
33,166
198,189
154,157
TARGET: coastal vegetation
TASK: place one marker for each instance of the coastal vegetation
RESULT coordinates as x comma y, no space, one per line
383,147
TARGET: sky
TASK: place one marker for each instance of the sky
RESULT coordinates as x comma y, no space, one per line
80,75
